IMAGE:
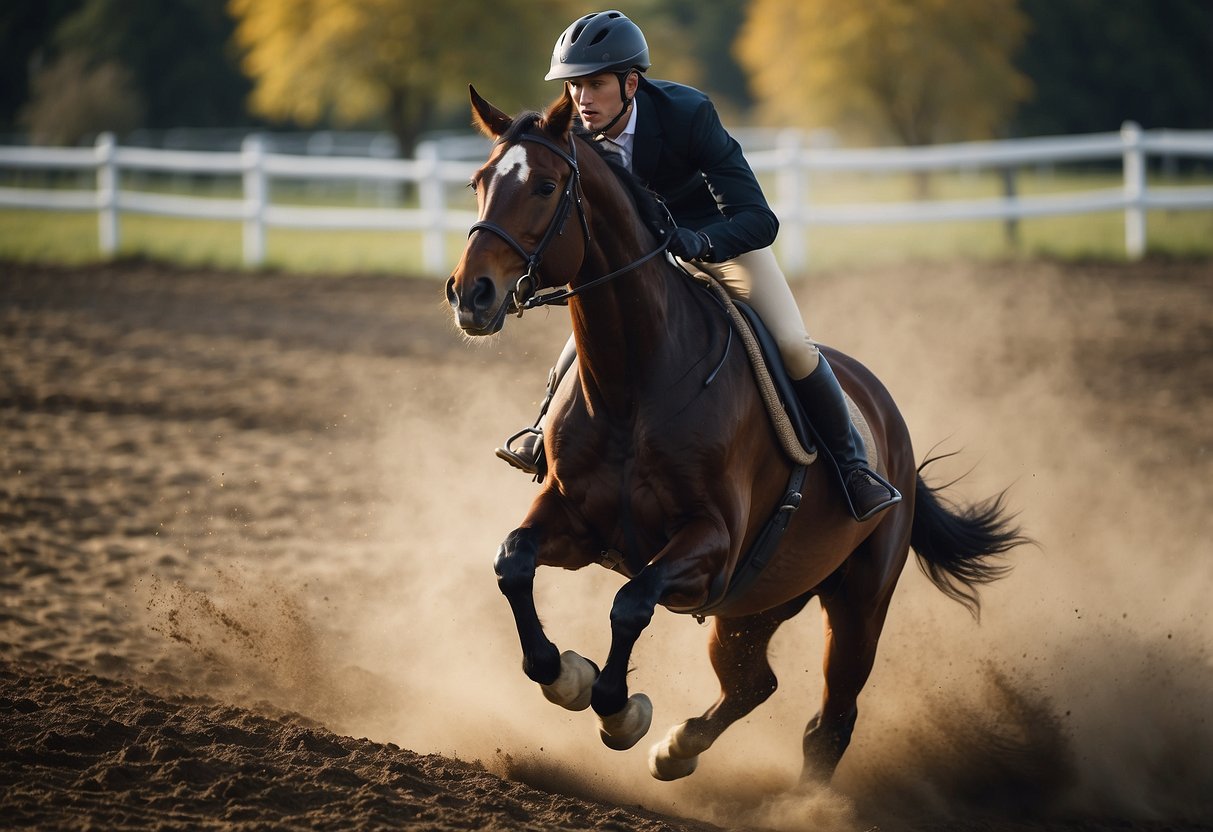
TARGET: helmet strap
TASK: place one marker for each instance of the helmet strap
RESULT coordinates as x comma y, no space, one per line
599,135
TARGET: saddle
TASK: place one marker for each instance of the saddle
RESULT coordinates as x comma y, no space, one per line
792,426
796,435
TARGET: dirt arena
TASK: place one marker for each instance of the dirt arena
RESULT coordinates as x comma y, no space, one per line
247,524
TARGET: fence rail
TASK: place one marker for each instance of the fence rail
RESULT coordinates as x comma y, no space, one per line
791,163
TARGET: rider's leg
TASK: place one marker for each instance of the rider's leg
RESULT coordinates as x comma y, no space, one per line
524,450
755,277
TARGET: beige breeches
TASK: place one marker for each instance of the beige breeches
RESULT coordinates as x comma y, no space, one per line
755,277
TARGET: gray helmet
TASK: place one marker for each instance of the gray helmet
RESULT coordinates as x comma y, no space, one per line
598,42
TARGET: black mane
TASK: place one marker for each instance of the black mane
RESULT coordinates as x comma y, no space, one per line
648,204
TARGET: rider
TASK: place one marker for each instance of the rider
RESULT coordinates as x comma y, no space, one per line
670,136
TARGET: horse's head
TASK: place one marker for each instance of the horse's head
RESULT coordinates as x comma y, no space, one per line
527,193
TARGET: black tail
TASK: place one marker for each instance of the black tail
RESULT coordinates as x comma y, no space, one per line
954,543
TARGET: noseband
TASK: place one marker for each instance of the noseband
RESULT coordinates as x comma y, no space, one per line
525,295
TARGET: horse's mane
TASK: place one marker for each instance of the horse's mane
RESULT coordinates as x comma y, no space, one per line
648,205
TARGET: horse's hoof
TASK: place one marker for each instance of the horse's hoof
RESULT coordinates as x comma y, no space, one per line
573,686
663,766
623,730
677,755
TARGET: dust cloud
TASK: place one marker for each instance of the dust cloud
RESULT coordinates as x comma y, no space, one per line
1083,692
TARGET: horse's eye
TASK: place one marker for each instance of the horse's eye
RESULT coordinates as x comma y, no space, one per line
546,188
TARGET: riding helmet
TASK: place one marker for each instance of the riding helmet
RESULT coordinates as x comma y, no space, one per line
598,42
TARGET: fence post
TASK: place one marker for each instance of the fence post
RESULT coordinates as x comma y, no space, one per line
253,159
1010,193
792,199
107,194
433,207
1135,190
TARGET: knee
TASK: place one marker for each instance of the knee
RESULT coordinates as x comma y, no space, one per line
515,563
630,616
800,355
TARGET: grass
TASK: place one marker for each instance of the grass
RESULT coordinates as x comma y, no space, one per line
72,238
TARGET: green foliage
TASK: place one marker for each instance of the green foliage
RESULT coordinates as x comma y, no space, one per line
178,54
1097,63
25,29
74,99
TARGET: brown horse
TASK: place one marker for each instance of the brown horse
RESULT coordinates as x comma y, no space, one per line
663,464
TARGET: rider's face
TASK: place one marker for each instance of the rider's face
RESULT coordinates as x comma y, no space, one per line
597,99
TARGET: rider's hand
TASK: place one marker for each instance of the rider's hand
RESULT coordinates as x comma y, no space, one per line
688,244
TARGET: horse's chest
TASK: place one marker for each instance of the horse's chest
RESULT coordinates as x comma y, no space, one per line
629,502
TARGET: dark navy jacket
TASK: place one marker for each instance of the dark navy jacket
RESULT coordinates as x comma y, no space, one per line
683,152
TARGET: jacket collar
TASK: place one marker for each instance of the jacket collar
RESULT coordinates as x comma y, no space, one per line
647,147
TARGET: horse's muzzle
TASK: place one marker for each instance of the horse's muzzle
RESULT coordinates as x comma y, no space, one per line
479,309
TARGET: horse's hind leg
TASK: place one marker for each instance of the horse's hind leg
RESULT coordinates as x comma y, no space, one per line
738,651
854,602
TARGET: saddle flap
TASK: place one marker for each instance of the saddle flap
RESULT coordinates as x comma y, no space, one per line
787,395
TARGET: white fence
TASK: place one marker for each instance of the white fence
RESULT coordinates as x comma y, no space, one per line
791,163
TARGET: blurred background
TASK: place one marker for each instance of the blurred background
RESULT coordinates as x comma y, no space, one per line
388,78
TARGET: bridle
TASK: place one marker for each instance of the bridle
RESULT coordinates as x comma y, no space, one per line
526,292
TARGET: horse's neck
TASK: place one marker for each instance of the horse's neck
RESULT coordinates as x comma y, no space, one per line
620,327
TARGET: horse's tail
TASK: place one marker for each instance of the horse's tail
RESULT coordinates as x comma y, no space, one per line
955,544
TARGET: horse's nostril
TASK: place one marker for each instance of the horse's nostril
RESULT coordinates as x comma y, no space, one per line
451,297
483,294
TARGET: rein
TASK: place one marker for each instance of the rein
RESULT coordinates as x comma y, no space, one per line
525,294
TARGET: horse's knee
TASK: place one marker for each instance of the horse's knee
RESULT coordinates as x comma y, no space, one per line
635,602
515,563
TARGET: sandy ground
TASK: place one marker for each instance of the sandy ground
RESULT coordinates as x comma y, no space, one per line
245,519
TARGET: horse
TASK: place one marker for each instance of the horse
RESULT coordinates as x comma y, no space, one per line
663,465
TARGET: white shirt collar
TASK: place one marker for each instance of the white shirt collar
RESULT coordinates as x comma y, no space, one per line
626,140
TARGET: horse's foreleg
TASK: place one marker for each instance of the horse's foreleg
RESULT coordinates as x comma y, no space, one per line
738,650
623,719
566,678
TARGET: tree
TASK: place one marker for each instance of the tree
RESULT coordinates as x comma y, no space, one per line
25,28
75,98
178,54
1097,63
917,71
356,60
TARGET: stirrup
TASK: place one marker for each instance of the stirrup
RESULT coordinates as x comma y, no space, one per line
515,458
894,494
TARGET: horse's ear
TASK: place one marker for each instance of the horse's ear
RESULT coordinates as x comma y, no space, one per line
487,118
559,116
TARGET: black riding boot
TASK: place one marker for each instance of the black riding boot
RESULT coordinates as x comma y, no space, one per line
867,492
524,450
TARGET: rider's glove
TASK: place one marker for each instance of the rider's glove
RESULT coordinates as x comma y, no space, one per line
688,244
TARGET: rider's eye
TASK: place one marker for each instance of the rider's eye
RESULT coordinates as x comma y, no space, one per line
546,189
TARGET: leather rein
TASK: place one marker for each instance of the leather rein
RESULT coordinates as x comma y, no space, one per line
525,294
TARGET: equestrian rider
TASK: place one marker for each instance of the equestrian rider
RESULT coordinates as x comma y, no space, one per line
670,136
